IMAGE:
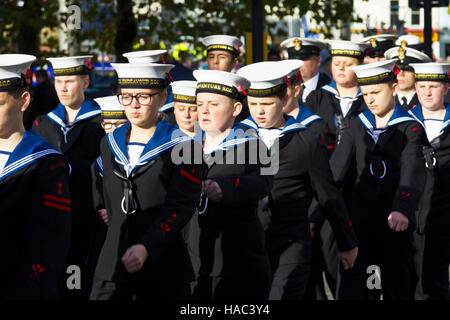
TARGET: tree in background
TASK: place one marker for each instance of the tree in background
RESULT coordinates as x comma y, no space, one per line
116,26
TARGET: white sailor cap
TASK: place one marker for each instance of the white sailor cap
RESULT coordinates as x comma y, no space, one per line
68,66
143,75
145,56
184,91
223,42
377,72
266,78
15,71
431,71
303,48
111,107
347,48
294,65
406,56
379,44
410,41
222,82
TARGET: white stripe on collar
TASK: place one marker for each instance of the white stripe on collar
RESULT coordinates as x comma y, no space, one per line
296,125
55,118
398,120
366,121
161,148
249,123
21,163
166,107
309,120
88,115
330,89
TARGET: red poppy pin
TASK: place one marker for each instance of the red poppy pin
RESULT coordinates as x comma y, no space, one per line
241,90
88,64
28,76
396,70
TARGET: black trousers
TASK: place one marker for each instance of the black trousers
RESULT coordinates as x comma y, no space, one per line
417,267
392,254
436,261
108,290
290,271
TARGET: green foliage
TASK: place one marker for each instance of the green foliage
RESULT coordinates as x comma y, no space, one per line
157,20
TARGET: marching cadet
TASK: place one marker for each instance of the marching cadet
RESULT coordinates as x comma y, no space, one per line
377,47
315,288
222,53
149,195
34,234
307,50
113,116
234,263
337,103
185,106
154,56
433,222
299,111
303,170
406,95
74,129
385,142
341,99
186,116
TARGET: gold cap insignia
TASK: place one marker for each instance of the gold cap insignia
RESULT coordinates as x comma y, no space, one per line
401,54
403,44
373,42
297,44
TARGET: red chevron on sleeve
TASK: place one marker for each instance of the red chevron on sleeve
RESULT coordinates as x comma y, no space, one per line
57,202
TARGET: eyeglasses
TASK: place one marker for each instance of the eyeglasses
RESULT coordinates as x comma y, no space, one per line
142,98
110,125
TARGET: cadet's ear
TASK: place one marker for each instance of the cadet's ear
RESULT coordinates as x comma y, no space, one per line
394,88
297,90
237,108
25,100
86,82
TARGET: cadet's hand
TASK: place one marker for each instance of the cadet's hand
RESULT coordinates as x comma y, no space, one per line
212,190
348,258
312,229
397,221
134,258
103,215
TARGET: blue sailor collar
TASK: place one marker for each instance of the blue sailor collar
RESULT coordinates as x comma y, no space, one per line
331,88
88,110
236,137
416,112
400,115
31,148
291,124
168,104
166,137
305,116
